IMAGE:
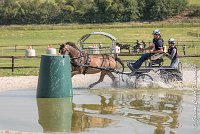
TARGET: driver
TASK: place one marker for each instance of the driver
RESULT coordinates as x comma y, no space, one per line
155,47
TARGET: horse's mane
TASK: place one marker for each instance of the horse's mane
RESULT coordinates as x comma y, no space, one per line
72,44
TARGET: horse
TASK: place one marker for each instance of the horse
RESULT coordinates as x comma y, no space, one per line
84,63
137,47
123,46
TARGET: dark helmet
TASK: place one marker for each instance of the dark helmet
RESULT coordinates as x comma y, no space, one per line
171,41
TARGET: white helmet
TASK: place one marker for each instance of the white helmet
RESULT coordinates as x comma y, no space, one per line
157,31
171,41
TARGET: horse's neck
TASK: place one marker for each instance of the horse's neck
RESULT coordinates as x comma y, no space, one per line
74,53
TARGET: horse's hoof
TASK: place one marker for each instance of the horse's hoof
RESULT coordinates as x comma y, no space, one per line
116,84
90,86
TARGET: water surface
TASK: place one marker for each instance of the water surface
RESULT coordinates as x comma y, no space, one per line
153,111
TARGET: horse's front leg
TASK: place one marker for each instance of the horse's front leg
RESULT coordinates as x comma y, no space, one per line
103,73
114,79
111,76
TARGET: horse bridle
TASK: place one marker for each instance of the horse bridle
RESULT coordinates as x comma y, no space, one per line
73,58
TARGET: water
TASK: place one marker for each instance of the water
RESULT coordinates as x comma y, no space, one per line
171,108
157,111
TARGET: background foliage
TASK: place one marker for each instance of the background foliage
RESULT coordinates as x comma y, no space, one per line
87,11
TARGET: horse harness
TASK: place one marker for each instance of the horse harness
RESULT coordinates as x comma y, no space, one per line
84,63
81,62
87,63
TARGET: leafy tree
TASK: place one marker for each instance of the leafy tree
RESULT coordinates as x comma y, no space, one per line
48,12
115,10
141,7
9,11
87,11
130,10
81,8
161,9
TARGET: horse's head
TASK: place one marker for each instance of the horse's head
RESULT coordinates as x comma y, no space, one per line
63,49
66,48
70,49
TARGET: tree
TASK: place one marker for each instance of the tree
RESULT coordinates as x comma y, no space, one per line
161,9
9,11
87,11
115,10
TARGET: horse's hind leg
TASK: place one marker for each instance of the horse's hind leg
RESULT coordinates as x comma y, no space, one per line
103,73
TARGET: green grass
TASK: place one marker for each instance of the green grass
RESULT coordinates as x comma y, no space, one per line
189,1
40,0
23,36
193,2
38,35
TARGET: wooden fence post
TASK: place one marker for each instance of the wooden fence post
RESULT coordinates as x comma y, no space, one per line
177,43
13,62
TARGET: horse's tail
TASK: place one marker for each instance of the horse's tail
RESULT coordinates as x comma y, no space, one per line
120,61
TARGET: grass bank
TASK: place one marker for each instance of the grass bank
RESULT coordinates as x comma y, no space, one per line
42,34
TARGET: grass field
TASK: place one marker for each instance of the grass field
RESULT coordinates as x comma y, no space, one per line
38,35
23,36
189,1
193,2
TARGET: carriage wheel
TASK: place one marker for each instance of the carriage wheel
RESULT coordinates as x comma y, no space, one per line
131,81
164,76
170,77
174,78
143,81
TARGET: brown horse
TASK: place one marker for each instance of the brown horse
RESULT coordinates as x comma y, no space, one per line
83,63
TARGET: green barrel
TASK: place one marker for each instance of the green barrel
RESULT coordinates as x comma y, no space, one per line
54,77
55,114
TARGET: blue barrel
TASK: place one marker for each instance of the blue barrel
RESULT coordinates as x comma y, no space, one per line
54,77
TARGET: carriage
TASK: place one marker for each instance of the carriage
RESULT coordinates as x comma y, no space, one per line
137,78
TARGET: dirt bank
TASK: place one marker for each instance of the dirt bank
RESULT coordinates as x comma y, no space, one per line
30,82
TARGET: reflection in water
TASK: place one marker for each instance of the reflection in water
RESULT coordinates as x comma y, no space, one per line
166,109
57,115
111,111
160,110
81,120
104,107
157,111
153,110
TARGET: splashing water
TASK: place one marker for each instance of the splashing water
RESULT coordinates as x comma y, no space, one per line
190,76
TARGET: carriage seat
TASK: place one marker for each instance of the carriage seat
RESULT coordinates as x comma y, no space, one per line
156,60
